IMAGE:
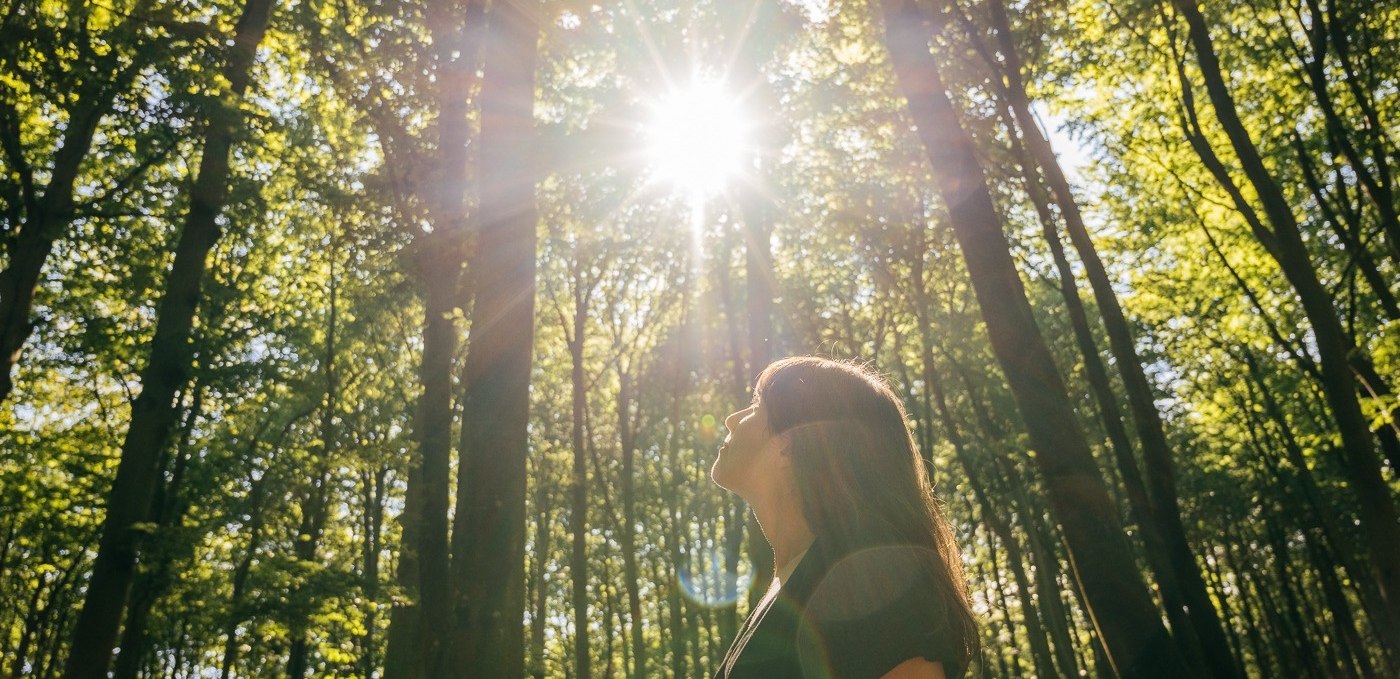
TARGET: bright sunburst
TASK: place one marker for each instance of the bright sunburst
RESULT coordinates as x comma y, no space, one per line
695,139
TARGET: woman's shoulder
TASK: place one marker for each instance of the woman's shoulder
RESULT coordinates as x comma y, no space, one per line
861,583
877,607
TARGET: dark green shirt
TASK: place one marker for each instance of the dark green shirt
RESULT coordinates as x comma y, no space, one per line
845,616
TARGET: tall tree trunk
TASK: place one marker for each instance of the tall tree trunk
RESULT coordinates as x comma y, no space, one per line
1123,612
628,538
1377,184
578,480
417,635
30,248
540,602
401,658
737,520
1140,504
167,511
374,483
676,604
167,369
489,533
1346,224
754,24
1285,244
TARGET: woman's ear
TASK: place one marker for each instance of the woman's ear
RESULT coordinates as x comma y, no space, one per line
783,442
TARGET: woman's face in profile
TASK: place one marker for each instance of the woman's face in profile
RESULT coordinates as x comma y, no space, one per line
750,452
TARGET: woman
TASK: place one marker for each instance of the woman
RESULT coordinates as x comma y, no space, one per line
868,579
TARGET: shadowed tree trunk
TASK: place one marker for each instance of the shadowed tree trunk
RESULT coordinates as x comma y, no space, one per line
1377,184
416,632
578,480
754,25
373,485
401,659
1035,632
489,531
167,370
539,602
1118,602
628,538
1139,502
440,261
167,511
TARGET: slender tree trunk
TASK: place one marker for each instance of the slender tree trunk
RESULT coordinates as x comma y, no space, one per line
1123,612
417,635
374,483
1143,512
994,564
1346,225
1377,184
675,602
578,482
754,26
441,260
241,570
1294,611
167,511
540,601
736,510
1378,516
167,370
627,538
489,534
401,658
1321,510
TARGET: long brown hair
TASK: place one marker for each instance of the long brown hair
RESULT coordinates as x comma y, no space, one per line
859,476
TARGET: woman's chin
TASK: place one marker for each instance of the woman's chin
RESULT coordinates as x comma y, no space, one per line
720,475
716,475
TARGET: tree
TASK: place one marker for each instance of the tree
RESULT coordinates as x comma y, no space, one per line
167,369
488,534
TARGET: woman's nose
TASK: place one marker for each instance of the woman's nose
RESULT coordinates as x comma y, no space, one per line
732,418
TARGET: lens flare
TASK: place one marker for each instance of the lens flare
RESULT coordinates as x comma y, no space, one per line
707,582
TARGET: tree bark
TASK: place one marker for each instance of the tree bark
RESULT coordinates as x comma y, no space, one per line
417,632
999,525
578,482
167,370
167,511
1137,643
627,538
374,484
489,534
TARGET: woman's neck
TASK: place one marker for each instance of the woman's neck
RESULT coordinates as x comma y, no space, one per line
786,529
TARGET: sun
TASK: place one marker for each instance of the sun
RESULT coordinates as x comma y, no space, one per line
696,139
